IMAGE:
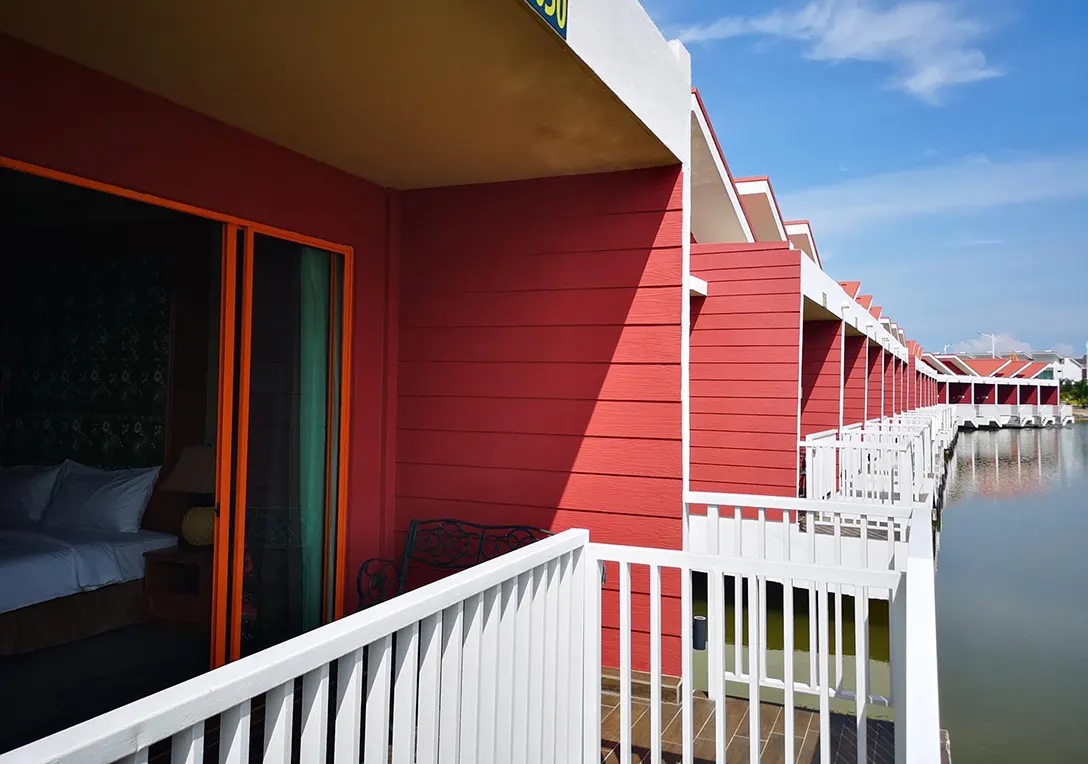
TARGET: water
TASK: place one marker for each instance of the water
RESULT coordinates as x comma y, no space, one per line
1012,597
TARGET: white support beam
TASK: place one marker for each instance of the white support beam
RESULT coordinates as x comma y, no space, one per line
698,287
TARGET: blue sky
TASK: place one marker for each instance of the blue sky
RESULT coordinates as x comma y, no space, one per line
939,147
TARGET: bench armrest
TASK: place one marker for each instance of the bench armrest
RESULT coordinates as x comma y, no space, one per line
377,581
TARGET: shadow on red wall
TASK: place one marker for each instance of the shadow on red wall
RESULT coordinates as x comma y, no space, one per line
539,352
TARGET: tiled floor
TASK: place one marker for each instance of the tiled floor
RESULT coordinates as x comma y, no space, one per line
772,743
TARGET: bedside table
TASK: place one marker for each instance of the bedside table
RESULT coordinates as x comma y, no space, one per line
178,586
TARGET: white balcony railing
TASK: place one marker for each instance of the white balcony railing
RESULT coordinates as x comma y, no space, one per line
894,460
503,662
483,666
752,540
802,531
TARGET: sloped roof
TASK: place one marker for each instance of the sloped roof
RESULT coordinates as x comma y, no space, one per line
986,367
1032,370
1012,369
851,288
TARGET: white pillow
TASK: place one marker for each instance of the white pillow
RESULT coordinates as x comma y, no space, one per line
25,493
109,500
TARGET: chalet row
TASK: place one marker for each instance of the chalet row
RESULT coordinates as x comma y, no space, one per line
550,303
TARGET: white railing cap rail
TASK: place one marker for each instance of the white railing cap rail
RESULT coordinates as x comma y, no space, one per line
901,445
760,501
123,731
725,564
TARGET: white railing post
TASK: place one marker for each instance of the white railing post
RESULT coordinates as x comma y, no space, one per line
591,659
920,697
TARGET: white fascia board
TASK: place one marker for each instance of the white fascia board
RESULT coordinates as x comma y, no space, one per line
719,164
761,186
697,287
822,289
924,369
619,42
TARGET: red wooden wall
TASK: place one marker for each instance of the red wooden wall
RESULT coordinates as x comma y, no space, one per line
942,392
985,393
744,369
1006,394
960,392
81,122
876,380
539,370
1029,394
1050,395
821,376
855,369
901,381
889,381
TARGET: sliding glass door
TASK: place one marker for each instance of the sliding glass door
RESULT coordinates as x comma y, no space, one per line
282,408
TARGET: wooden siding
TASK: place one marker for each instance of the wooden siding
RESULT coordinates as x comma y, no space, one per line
889,372
1006,394
744,369
821,376
539,361
876,379
855,369
985,393
1049,395
960,392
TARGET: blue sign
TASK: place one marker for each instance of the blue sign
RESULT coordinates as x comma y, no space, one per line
554,12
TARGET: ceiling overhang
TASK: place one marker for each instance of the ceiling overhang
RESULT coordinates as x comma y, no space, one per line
800,236
937,364
716,213
407,94
761,209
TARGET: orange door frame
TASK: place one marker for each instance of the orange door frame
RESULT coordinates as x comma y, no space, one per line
224,569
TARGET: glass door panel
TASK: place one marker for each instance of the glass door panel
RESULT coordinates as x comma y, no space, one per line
286,504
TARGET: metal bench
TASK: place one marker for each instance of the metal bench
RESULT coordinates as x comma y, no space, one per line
444,544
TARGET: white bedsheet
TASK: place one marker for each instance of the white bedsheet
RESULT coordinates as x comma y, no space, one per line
39,563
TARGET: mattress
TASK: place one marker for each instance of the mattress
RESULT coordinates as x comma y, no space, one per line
39,563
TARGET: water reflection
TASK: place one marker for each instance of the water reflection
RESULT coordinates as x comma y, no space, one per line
1012,597
1005,463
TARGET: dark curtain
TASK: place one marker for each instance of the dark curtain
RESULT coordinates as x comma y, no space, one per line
84,327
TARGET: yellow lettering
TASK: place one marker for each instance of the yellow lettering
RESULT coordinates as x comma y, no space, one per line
550,8
540,3
561,13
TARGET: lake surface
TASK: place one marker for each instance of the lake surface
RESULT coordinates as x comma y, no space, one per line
1012,597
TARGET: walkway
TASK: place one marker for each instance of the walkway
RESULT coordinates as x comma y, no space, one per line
807,739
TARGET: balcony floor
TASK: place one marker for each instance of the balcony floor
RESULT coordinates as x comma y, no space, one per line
807,738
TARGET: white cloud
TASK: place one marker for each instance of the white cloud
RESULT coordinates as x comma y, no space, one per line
1064,348
860,203
927,43
1004,344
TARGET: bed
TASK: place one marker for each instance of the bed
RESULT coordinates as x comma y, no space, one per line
72,545
42,564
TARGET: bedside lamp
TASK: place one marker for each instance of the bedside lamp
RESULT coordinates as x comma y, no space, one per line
194,474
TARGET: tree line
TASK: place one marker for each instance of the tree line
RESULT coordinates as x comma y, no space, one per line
1075,393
